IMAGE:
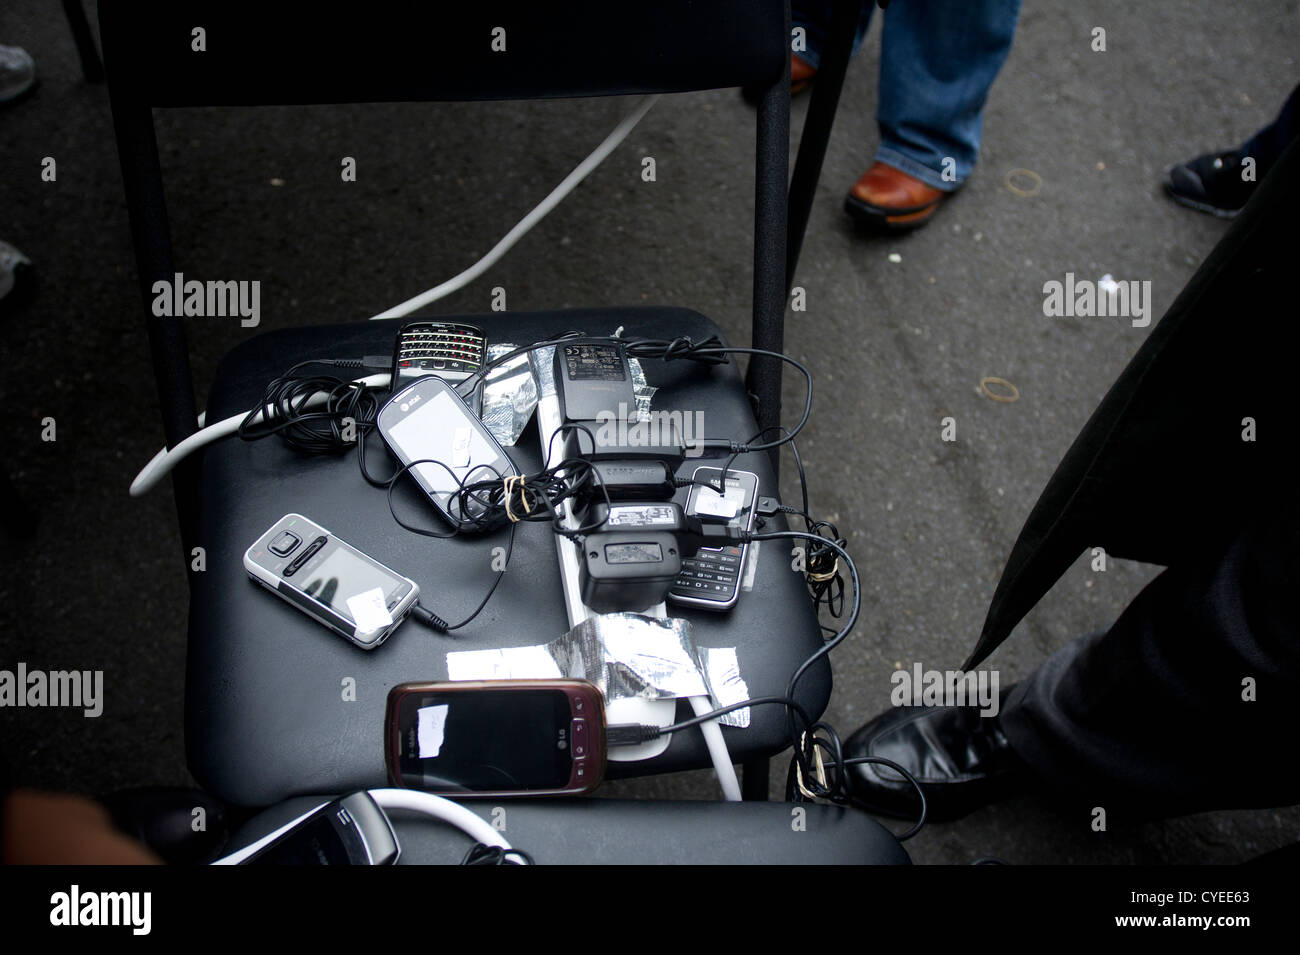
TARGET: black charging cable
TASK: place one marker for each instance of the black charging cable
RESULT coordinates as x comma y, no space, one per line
710,351
481,854
837,787
492,503
819,768
348,411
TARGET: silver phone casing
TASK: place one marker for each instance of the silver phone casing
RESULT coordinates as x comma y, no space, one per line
366,640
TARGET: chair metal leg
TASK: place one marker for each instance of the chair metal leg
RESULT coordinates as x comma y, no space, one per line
771,204
91,65
826,90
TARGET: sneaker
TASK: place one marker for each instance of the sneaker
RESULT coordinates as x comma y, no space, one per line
1211,183
17,73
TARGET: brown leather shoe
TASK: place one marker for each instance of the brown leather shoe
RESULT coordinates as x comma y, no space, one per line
886,198
801,74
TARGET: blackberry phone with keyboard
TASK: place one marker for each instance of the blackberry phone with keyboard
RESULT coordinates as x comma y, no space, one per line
450,350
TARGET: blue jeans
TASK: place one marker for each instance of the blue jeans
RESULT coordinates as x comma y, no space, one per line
938,61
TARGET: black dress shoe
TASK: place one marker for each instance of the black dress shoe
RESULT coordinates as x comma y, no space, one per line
962,761
1211,183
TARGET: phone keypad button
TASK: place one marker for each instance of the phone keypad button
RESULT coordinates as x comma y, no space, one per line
283,545
712,574
305,556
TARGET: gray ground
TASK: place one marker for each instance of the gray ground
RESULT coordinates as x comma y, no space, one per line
896,346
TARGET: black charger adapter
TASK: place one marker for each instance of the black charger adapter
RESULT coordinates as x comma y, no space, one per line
593,381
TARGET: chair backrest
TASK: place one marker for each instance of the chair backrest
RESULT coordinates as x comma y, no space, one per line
261,53
159,53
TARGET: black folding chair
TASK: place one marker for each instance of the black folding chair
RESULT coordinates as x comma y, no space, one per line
263,717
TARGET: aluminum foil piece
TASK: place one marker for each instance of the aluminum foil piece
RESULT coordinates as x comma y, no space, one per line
642,389
542,361
627,655
509,396
650,657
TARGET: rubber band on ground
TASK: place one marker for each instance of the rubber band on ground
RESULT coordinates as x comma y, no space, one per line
1004,398
1024,193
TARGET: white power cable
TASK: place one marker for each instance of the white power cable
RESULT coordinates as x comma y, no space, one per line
717,750
428,804
525,224
168,458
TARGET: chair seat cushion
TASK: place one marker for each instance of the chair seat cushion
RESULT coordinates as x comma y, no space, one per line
277,705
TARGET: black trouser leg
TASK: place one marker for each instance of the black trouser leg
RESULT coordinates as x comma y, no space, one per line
1271,141
1155,714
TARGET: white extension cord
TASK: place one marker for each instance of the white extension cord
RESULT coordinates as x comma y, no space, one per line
410,800
718,752
557,195
168,458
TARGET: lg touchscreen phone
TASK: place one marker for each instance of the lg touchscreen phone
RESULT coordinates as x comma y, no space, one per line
496,738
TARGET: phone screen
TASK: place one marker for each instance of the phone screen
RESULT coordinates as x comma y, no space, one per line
343,577
486,741
738,494
439,428
318,842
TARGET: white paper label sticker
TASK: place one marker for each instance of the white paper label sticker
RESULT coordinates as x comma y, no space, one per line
369,611
430,729
514,663
641,515
751,565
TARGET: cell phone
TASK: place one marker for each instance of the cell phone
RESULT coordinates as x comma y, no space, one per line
496,737
428,421
352,830
330,580
711,579
450,350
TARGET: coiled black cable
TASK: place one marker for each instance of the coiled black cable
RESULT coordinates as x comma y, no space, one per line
348,411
